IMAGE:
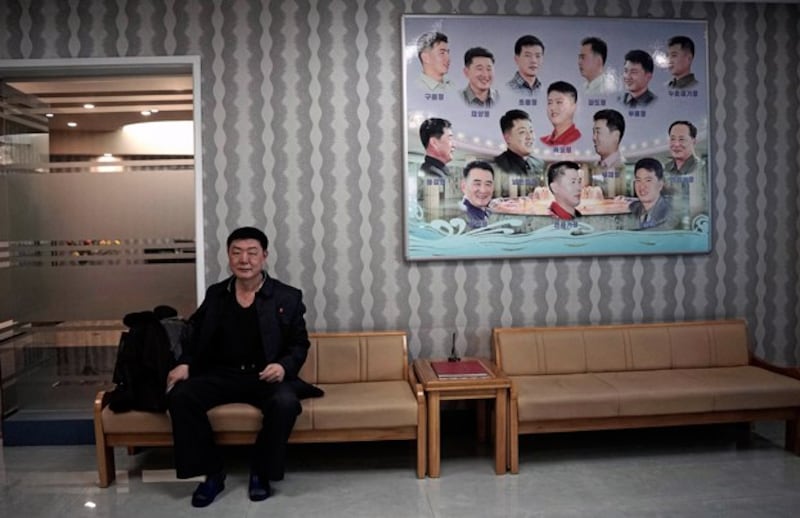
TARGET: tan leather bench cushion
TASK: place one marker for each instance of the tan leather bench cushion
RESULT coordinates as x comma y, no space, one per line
564,396
237,417
380,404
376,404
135,422
611,394
659,392
748,387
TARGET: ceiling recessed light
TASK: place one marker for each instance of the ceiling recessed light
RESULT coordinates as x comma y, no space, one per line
146,112
48,115
72,124
154,110
88,106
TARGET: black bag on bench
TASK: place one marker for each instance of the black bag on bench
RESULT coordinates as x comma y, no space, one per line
145,355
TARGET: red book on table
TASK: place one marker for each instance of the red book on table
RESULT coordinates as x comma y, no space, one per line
460,369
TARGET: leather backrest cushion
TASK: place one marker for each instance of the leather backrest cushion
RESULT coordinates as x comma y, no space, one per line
353,357
576,349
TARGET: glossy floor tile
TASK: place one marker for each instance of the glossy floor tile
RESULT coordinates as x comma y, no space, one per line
694,471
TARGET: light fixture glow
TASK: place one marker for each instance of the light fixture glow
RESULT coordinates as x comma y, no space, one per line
48,115
72,124
157,136
109,164
88,106
146,113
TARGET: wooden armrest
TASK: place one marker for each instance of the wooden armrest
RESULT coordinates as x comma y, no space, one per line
101,400
793,372
416,386
513,392
499,371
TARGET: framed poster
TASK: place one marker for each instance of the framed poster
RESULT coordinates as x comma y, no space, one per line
548,136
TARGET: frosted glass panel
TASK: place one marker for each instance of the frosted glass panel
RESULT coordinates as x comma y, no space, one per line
146,204
4,215
5,271
92,246
101,292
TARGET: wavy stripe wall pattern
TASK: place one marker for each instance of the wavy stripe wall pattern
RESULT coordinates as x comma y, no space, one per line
302,136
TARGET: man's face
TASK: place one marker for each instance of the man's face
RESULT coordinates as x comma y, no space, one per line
246,259
480,74
519,138
681,143
590,64
635,78
560,108
647,186
679,61
442,148
529,60
567,188
606,142
436,60
478,187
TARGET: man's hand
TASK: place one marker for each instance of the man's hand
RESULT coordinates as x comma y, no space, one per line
272,373
180,372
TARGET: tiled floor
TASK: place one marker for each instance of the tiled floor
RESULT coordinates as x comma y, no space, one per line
667,472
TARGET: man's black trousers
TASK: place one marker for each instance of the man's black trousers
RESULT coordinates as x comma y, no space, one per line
189,400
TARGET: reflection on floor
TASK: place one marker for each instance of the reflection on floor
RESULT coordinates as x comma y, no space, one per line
49,399
694,471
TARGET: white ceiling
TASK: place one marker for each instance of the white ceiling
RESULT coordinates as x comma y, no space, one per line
118,99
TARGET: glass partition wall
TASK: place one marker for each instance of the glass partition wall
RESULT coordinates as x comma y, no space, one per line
97,219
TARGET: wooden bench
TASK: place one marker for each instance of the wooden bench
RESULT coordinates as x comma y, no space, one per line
371,394
640,375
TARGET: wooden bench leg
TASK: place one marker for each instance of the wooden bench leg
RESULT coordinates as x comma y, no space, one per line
106,472
422,437
513,437
422,457
106,469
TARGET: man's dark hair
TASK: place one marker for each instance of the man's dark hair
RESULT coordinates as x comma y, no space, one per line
507,120
652,165
614,120
427,40
692,128
529,40
478,164
559,169
685,43
597,45
476,52
242,233
432,128
641,57
564,88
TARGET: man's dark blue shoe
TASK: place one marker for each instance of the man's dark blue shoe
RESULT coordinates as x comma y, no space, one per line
207,491
258,489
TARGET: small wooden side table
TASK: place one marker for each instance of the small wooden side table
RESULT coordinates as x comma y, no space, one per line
494,386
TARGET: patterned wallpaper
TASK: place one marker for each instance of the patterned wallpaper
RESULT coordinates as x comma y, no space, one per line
302,136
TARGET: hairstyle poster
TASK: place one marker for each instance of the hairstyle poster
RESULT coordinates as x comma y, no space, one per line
551,136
